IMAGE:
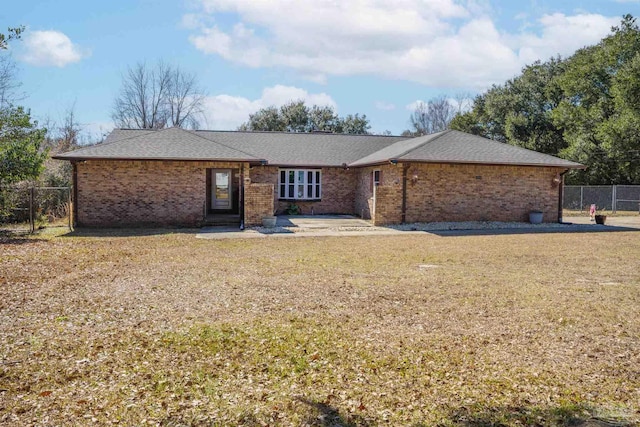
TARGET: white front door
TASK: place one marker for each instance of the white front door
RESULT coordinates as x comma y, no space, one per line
221,189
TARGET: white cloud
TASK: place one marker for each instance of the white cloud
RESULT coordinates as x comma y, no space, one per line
442,43
46,48
415,104
562,34
226,112
94,131
384,106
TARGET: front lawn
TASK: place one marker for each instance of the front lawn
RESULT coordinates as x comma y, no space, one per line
160,328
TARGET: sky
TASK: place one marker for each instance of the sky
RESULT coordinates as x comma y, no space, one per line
372,57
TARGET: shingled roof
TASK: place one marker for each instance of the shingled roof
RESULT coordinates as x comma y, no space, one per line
452,146
309,149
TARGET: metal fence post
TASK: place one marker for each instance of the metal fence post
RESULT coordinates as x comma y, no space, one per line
581,197
32,222
614,198
70,209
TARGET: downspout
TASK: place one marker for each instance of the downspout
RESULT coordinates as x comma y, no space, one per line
241,197
561,195
405,168
74,201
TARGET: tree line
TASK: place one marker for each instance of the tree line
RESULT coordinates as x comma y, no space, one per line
296,116
584,108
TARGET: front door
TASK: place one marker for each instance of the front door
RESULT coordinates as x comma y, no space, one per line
221,189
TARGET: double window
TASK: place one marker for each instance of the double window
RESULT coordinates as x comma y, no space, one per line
299,184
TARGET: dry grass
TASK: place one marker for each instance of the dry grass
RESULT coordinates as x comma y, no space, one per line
160,328
585,212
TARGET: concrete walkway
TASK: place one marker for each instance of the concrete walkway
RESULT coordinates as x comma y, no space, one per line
302,226
321,221
345,225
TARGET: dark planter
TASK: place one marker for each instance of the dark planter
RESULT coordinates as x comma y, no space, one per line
601,219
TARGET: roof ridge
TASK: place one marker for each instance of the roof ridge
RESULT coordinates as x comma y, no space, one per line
102,144
193,132
284,132
423,143
514,146
511,145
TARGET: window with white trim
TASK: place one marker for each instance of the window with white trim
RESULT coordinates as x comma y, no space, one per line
299,184
376,177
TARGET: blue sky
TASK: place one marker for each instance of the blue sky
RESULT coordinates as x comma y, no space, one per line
370,57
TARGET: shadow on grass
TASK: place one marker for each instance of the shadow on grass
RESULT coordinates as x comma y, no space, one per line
561,416
329,416
128,232
576,228
12,237
568,415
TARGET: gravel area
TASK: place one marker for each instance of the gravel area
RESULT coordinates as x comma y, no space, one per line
473,225
419,226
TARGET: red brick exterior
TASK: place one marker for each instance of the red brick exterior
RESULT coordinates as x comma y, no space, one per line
124,193
388,204
258,203
390,175
456,192
338,190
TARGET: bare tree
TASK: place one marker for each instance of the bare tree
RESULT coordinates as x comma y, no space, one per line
69,132
9,83
434,116
463,102
152,98
185,100
8,70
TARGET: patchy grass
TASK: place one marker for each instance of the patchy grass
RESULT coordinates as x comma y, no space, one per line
155,327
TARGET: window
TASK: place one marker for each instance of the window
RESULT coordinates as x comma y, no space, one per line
299,184
376,177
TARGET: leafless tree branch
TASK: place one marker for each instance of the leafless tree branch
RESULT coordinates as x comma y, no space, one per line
153,98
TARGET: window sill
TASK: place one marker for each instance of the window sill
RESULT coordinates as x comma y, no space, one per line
299,200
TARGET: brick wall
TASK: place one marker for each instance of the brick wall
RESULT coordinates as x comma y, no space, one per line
444,192
123,193
338,190
389,175
258,202
364,193
388,204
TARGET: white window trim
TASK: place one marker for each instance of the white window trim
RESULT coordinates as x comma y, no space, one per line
317,186
375,183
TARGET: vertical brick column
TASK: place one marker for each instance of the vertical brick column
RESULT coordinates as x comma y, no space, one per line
258,202
387,207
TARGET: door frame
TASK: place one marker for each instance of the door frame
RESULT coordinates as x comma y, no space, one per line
234,187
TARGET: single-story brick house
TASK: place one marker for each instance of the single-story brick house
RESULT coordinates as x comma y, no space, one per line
184,177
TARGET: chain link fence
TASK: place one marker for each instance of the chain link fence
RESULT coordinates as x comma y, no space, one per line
26,208
606,197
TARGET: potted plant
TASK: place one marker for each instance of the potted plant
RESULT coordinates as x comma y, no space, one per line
535,217
293,209
269,221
